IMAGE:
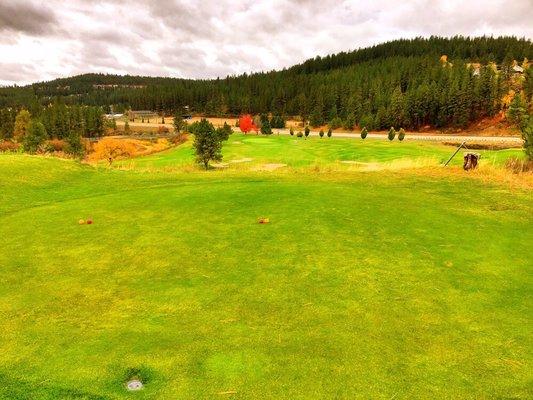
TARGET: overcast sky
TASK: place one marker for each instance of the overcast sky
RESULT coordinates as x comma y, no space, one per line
42,40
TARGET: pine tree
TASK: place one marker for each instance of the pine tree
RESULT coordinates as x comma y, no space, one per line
401,134
266,128
22,122
364,133
34,137
517,111
74,144
392,134
397,108
207,143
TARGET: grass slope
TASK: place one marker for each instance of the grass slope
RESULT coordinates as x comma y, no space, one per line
365,285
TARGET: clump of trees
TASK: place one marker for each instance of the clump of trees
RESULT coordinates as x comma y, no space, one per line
60,126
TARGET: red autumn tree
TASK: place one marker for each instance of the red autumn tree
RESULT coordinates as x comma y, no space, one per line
246,123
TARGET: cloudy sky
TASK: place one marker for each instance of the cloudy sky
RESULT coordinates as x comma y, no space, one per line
42,40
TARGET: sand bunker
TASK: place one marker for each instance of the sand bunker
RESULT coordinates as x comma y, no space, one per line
241,160
220,165
269,167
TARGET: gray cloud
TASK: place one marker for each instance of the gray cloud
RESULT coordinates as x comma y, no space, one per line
26,17
209,38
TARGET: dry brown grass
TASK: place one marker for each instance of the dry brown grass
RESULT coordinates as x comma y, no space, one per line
115,149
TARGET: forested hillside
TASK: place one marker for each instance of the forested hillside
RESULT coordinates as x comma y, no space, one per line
404,83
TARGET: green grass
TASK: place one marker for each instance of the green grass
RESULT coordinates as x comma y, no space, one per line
384,284
315,151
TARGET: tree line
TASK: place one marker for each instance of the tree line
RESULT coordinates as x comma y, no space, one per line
402,83
55,122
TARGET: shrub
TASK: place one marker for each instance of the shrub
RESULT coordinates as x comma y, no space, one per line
266,129
321,133
291,131
307,131
517,165
401,134
178,139
392,133
54,145
161,129
299,134
364,133
225,131
330,132
8,146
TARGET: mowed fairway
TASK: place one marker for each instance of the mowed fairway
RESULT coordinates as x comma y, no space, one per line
385,283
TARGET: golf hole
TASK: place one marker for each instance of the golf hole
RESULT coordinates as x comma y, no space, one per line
134,384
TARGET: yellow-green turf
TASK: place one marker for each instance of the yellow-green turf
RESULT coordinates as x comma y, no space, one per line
384,284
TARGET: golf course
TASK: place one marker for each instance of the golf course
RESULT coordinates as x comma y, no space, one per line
381,274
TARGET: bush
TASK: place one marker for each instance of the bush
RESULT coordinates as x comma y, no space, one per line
291,131
517,165
266,129
364,133
161,129
401,134
335,123
299,134
321,133
307,131
224,132
391,134
55,145
330,132
178,138
8,146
